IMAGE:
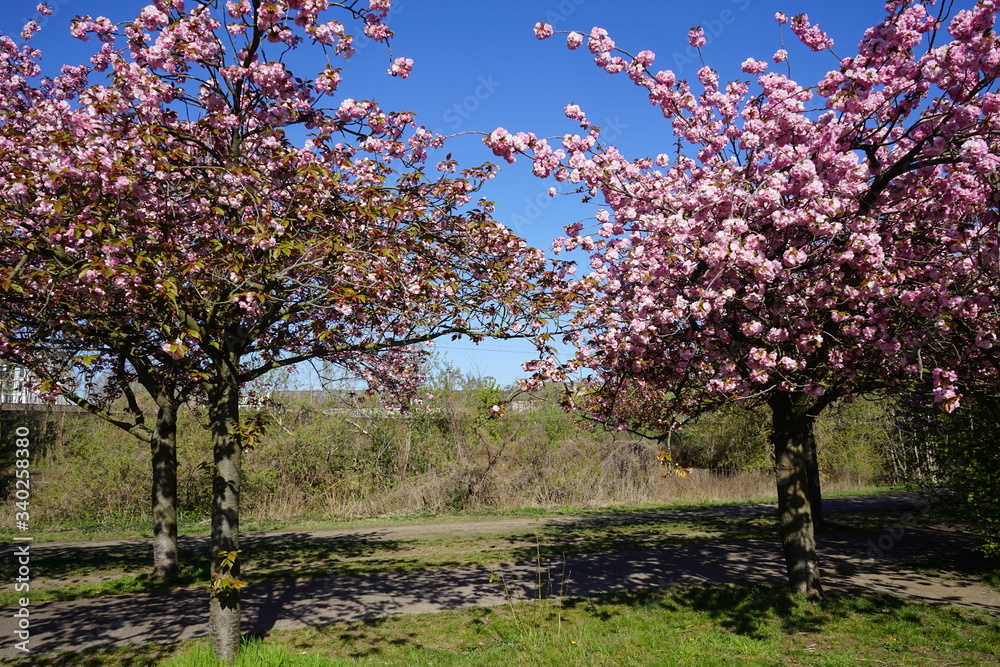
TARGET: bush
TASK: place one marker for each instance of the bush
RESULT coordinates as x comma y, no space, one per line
734,438
854,439
326,453
963,462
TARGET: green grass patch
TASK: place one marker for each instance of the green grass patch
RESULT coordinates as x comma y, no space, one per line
710,624
121,584
195,525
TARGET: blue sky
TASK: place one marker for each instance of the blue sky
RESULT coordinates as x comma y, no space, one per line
478,66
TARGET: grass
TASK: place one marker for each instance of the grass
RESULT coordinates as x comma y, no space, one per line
102,570
707,624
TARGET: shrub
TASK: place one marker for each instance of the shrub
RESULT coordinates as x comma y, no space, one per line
963,462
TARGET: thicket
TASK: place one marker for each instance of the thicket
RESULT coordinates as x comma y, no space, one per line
955,457
329,453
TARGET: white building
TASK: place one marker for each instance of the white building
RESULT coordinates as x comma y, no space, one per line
15,389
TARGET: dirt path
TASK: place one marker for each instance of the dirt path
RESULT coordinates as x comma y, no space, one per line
893,504
853,560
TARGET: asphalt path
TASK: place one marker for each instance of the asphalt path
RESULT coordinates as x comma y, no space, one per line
860,560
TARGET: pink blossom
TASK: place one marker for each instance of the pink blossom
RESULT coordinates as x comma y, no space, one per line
708,77
378,31
502,143
573,111
945,394
645,58
30,28
543,30
328,81
975,147
696,37
776,335
794,257
238,8
599,41
401,67
327,33
788,364
751,66
612,65
153,18
574,40
810,35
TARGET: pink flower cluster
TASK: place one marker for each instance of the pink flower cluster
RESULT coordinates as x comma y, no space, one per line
810,35
401,67
543,30
696,37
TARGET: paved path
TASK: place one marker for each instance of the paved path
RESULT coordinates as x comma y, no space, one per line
857,560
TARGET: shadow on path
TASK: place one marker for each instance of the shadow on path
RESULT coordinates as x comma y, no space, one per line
855,561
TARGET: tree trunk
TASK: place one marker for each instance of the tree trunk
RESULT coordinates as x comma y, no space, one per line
163,444
404,457
812,468
792,428
224,607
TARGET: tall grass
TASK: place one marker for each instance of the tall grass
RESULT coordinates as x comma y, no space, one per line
328,455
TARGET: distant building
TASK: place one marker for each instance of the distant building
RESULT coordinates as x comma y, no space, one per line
13,386
15,389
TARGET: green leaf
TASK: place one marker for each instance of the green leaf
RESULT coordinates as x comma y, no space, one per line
228,558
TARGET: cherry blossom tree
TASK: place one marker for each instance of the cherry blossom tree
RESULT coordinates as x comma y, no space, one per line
103,384
188,204
61,358
805,244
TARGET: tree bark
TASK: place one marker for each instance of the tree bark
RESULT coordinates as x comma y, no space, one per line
224,607
812,468
163,445
792,429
